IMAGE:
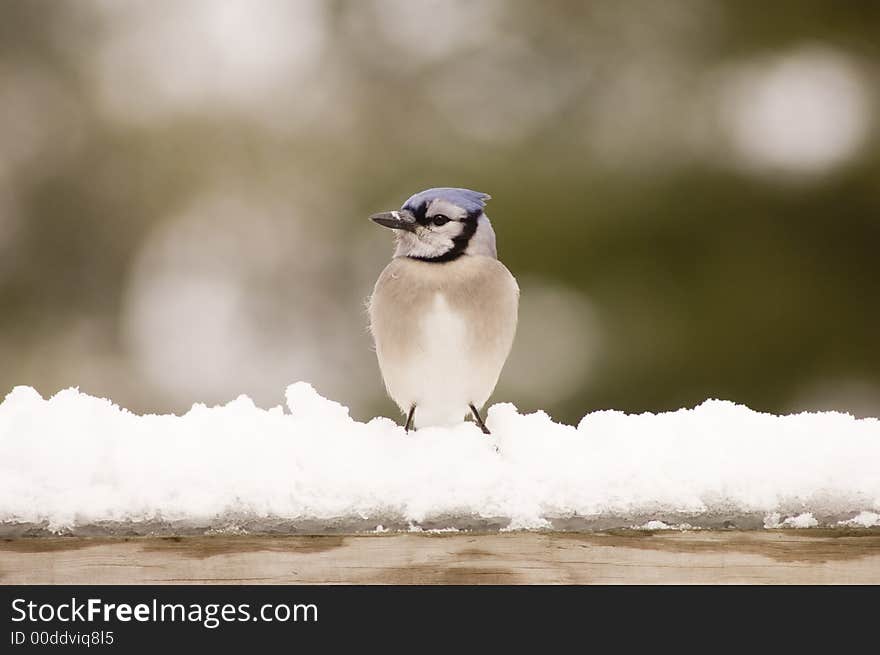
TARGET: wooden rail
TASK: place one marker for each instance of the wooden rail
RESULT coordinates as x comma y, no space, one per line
642,557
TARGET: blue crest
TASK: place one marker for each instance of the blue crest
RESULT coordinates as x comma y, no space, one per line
472,202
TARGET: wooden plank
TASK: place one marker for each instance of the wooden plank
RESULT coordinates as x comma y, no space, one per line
665,557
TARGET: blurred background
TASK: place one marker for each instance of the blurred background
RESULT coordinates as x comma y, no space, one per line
687,191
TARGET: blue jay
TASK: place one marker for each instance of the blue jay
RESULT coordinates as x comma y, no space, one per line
443,313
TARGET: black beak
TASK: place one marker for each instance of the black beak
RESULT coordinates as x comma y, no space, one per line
396,220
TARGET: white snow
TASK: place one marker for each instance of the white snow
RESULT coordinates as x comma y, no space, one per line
75,460
863,520
804,520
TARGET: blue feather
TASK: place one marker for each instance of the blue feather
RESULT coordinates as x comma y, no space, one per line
470,201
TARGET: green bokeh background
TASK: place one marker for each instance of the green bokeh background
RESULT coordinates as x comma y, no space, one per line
710,275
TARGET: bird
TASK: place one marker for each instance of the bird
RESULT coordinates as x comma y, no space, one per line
443,312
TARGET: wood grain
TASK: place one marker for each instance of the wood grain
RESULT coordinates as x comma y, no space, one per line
627,557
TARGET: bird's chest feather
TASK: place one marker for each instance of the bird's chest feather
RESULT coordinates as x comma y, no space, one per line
460,308
414,311
443,333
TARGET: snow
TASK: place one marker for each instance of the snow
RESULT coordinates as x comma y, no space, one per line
863,520
804,520
75,460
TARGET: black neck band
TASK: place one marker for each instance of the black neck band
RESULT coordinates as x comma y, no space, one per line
459,243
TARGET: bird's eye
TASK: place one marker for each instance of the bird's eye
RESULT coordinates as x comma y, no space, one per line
440,219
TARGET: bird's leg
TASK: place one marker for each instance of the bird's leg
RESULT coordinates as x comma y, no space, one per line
478,419
409,418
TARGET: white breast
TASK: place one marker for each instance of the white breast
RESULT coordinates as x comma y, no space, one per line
432,377
442,335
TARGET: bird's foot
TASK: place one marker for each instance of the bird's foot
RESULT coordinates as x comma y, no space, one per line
409,419
478,419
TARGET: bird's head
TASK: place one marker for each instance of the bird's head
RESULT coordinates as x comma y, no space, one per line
441,225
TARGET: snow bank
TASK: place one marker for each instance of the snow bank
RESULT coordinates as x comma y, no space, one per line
75,460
